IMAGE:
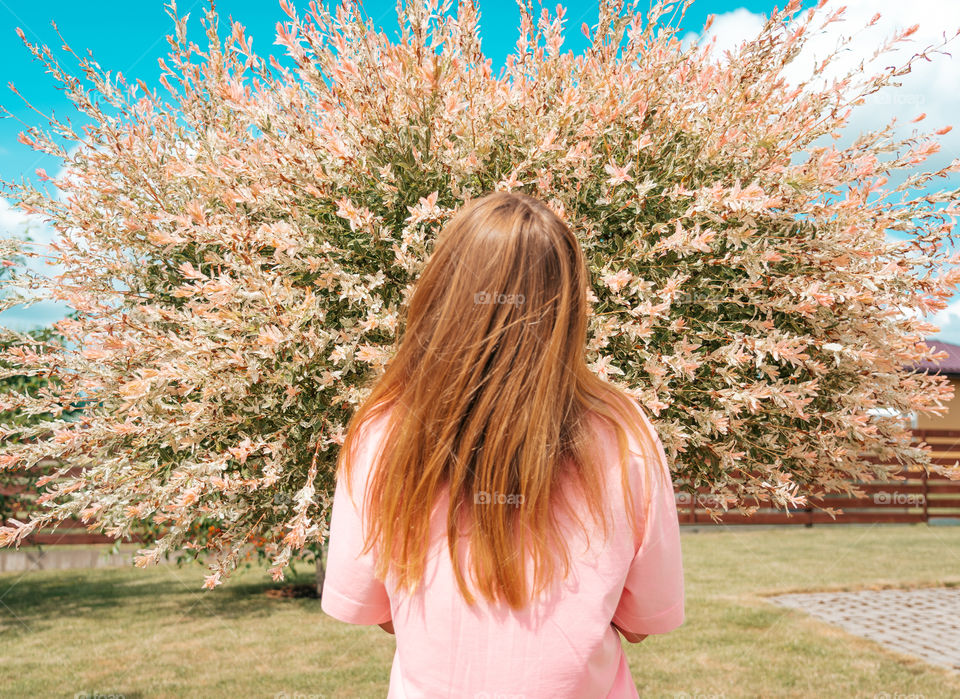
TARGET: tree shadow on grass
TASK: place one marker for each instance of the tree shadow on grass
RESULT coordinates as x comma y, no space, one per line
38,599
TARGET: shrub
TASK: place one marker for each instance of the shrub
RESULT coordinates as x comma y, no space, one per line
239,258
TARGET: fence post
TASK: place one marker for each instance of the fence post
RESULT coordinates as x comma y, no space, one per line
921,436
926,498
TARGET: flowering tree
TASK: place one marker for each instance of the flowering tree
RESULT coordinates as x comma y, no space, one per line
239,258
18,489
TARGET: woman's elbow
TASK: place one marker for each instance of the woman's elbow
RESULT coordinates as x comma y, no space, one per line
629,636
635,637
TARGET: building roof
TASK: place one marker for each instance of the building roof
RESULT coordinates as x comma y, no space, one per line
948,366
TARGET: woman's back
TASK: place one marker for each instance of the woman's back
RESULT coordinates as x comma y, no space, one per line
560,645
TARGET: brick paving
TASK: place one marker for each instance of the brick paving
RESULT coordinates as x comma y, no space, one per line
923,622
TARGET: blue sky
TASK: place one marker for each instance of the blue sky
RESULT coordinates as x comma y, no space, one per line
130,36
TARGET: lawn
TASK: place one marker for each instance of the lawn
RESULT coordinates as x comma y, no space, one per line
149,633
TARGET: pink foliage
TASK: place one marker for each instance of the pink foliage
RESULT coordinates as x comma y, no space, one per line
238,255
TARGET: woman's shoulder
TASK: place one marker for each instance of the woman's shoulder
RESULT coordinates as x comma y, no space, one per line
375,421
645,458
632,418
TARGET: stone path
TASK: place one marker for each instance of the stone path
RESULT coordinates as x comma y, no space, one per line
923,622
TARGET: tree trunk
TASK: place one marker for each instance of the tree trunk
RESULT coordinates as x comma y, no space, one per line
321,568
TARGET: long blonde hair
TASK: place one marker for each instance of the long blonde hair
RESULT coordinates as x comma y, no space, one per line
488,392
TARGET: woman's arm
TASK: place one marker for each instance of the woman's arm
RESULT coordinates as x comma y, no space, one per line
387,626
631,637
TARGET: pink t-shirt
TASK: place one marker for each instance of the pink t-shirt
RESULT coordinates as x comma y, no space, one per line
563,644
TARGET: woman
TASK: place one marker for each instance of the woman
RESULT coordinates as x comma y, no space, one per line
488,450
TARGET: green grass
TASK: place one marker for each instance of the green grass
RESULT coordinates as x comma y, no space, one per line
148,633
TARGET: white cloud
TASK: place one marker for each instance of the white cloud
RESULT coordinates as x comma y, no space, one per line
728,31
949,322
931,87
15,223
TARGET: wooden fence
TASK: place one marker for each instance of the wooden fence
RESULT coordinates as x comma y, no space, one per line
920,497
69,531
